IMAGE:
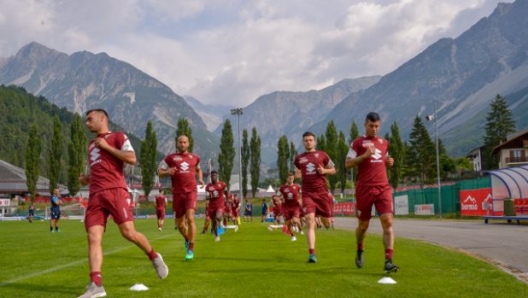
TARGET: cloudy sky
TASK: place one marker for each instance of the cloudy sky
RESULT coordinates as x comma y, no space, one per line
232,51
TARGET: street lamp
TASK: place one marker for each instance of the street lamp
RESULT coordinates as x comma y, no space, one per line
430,118
238,112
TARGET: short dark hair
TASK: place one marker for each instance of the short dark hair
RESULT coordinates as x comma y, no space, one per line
308,134
98,110
291,174
373,117
213,172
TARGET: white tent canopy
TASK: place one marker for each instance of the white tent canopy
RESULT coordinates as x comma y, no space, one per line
510,183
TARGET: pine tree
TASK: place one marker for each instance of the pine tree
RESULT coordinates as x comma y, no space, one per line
331,148
245,161
32,160
254,167
421,155
396,151
354,132
227,153
147,159
293,153
77,148
499,124
283,156
183,128
55,154
342,151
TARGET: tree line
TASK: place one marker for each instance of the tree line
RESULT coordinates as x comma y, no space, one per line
34,137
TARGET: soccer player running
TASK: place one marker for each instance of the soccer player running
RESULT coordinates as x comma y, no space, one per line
291,207
369,153
183,166
109,196
161,204
215,190
55,211
313,166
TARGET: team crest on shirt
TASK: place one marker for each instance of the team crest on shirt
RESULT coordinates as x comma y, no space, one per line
316,155
380,141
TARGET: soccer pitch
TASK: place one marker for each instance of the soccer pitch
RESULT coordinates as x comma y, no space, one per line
252,262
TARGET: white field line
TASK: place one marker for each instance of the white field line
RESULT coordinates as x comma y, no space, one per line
84,260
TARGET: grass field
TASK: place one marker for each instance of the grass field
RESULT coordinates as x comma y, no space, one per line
253,262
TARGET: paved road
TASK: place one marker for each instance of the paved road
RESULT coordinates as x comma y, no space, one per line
505,245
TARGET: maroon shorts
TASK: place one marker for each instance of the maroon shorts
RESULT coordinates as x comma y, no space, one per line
181,202
114,201
160,213
319,203
215,214
368,196
290,212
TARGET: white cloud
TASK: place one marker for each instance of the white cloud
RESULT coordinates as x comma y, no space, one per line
232,51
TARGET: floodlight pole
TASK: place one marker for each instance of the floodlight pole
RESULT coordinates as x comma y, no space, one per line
238,112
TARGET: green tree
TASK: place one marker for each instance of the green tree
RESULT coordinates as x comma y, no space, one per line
342,151
331,148
293,153
421,156
499,124
283,156
147,159
397,152
254,167
183,128
320,143
55,154
32,160
77,154
227,153
245,161
354,132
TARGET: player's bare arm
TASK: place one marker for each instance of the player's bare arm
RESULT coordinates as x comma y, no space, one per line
329,170
298,174
166,172
84,179
352,162
199,174
128,157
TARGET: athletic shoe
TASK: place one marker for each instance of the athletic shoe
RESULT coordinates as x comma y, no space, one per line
390,267
270,228
217,239
359,258
159,229
293,238
161,268
236,229
203,232
301,232
93,291
189,256
312,259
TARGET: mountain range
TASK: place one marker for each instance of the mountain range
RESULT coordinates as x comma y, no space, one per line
455,77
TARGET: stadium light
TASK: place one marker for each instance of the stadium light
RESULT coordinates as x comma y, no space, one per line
431,118
238,112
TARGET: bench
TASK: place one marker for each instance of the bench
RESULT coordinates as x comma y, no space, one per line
507,218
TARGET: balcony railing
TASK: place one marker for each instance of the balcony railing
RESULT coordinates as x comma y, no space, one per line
516,159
